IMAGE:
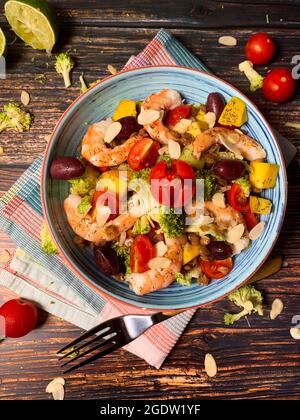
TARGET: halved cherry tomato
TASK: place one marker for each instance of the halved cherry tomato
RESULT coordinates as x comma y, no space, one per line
141,253
216,269
181,111
172,186
251,219
260,48
110,199
143,154
279,85
237,199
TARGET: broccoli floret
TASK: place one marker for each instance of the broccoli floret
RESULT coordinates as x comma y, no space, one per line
85,205
48,245
210,183
85,184
142,226
255,79
84,86
142,174
172,224
182,280
14,117
124,253
247,298
244,183
64,65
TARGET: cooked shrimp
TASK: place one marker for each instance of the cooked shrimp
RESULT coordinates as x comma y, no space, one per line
87,227
249,148
96,151
163,101
225,218
152,280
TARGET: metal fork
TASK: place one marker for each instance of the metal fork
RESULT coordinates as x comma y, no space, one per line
109,336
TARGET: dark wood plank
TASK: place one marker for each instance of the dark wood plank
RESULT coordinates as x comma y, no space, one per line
183,14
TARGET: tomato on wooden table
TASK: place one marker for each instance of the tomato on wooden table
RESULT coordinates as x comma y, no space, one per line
110,199
177,114
172,185
216,269
251,219
260,48
142,251
143,154
279,85
20,317
237,199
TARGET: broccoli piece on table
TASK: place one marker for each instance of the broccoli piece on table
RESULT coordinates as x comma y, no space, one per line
255,79
84,86
247,298
63,65
14,117
48,246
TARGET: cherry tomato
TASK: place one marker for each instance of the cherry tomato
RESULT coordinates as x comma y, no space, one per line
110,199
181,111
20,317
251,219
143,154
237,199
279,85
141,253
260,48
170,185
216,269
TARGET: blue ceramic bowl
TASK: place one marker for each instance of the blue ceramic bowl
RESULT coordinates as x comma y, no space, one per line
99,103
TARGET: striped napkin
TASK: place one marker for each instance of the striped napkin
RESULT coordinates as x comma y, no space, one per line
45,279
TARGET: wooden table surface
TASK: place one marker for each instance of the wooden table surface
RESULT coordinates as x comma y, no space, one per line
258,362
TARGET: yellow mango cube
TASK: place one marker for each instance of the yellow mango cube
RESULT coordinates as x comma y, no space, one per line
234,113
194,129
263,175
112,181
190,252
200,117
126,108
260,205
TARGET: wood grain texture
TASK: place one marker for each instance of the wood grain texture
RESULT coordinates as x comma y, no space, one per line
258,362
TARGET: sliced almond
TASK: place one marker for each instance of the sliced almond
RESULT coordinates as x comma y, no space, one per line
235,233
240,245
1,150
59,380
159,263
295,333
58,392
4,257
25,97
174,149
148,116
163,150
112,131
160,248
230,146
182,126
210,118
102,215
210,365
227,40
218,200
112,69
256,231
277,308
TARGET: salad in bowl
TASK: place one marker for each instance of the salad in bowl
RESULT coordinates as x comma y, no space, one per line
167,191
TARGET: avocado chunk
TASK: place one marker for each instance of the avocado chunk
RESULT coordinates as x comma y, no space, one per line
188,157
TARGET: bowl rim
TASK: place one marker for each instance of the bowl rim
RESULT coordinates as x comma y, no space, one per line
98,289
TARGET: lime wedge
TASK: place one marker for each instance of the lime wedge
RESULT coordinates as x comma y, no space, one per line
34,21
2,43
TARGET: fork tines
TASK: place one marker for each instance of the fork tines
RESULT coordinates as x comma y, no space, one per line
106,338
